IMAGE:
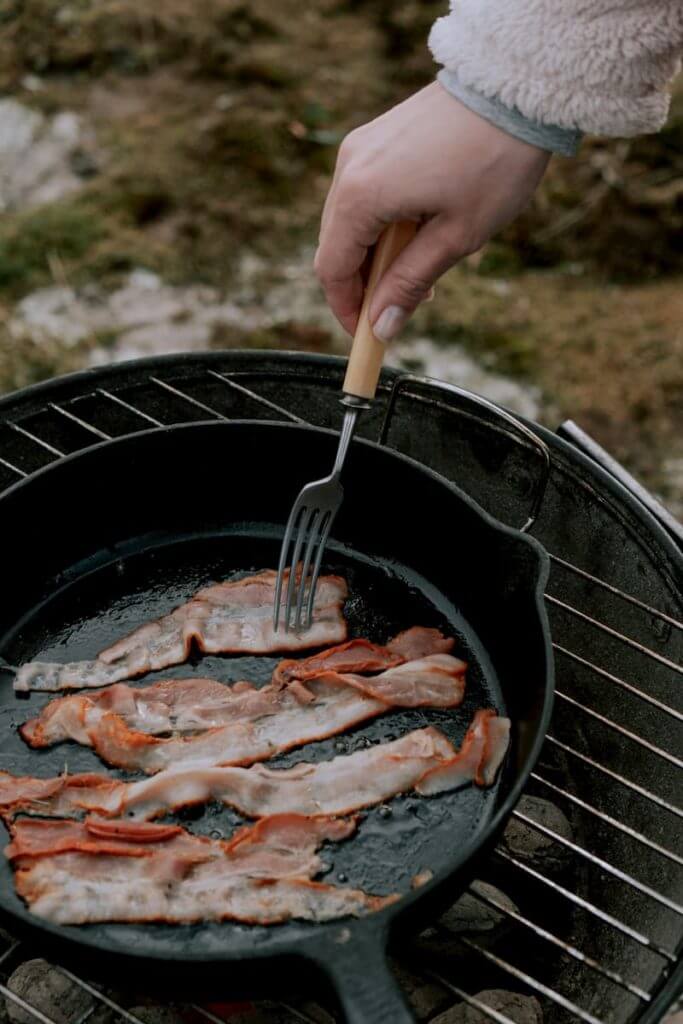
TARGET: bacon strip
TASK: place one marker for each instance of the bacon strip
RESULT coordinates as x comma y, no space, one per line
479,758
260,723
424,760
170,705
231,617
363,656
281,846
78,873
192,705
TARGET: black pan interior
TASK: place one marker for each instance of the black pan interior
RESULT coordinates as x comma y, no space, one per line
142,524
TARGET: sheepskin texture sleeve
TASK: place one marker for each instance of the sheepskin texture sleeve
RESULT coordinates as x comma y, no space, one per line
563,141
596,66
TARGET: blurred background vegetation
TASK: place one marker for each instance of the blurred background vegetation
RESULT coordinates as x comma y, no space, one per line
196,142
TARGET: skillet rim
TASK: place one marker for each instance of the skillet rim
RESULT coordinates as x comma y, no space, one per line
385,920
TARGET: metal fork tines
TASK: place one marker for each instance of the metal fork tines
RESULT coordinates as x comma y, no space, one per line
309,525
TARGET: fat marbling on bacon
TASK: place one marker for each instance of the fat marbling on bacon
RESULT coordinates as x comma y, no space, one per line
231,617
260,722
424,760
95,871
363,656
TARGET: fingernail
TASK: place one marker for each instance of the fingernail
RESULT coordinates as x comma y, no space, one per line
390,322
430,295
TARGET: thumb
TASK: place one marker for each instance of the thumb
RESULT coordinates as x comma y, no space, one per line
409,279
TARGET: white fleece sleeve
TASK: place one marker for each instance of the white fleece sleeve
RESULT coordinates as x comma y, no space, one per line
598,66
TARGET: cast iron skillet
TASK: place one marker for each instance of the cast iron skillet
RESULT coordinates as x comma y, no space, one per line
121,533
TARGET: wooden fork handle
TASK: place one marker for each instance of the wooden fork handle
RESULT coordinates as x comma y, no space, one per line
367,351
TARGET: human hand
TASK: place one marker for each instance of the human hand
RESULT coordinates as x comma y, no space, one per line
432,160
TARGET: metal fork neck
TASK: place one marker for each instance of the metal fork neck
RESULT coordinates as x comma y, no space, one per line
346,434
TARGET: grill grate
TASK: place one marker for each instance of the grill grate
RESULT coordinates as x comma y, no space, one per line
582,960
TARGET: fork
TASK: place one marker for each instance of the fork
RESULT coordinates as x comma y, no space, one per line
315,508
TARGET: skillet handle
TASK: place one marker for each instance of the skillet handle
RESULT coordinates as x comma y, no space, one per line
367,352
362,982
523,431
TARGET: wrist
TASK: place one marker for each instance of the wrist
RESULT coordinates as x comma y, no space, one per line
551,138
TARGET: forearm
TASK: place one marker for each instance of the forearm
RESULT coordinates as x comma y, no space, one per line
562,67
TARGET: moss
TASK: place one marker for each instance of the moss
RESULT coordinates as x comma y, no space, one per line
500,259
28,242
139,198
505,350
24,361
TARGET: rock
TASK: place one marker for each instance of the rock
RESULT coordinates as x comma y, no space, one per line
144,299
32,83
36,155
451,363
56,313
425,997
470,914
531,845
47,989
145,316
163,337
519,1008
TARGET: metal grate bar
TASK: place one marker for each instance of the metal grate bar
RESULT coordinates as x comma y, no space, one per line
572,951
532,983
488,1011
36,440
131,408
14,469
566,947
590,908
604,865
81,423
82,1017
615,633
258,398
620,682
296,1012
8,952
18,1001
187,398
609,820
463,413
215,1019
615,590
91,990
621,729
633,786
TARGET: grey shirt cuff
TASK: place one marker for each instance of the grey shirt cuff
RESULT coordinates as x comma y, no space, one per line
564,141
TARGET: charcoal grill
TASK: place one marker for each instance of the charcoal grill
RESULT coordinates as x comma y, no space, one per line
595,926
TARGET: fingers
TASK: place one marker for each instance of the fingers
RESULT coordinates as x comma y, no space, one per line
339,263
349,226
410,279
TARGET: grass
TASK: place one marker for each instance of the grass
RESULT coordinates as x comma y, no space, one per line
65,232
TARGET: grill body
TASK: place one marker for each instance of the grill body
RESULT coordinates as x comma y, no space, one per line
597,928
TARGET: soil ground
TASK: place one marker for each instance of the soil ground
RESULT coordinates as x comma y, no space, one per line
208,138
